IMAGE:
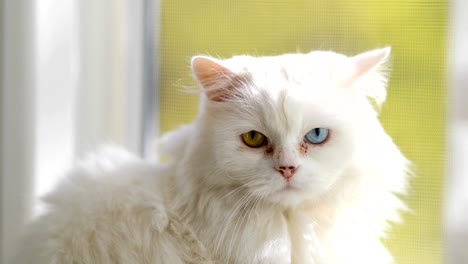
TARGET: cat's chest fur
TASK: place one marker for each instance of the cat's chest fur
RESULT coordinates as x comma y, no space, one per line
242,230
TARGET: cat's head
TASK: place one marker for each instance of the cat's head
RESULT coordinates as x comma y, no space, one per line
286,127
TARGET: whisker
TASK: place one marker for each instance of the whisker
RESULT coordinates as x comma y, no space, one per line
243,177
227,219
239,223
254,209
242,186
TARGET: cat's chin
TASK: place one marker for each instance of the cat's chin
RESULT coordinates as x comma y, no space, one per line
288,196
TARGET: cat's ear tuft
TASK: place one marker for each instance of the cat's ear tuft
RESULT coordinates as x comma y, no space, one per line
218,81
367,73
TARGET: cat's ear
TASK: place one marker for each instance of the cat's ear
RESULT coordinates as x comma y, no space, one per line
369,60
366,72
218,81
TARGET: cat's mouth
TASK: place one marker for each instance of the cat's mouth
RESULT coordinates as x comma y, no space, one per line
288,187
288,195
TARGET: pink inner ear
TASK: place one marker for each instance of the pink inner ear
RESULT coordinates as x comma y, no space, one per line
360,64
221,87
218,81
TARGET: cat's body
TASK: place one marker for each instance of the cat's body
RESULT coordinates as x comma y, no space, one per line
286,163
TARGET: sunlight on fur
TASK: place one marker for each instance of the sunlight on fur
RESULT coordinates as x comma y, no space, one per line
286,162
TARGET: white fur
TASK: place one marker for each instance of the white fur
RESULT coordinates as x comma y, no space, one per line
222,201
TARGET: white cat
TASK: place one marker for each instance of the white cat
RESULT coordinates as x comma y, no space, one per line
285,163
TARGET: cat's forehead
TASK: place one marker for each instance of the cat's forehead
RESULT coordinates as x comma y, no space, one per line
291,80
282,112
289,94
316,66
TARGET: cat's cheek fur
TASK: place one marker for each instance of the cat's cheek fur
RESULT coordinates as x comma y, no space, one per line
324,164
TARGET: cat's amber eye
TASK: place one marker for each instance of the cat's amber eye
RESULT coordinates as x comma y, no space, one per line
254,139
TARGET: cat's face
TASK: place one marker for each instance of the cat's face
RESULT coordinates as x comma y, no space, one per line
285,128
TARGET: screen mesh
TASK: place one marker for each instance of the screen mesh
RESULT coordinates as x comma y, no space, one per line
414,114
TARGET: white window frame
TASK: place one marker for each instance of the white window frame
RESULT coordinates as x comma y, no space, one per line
113,92
16,118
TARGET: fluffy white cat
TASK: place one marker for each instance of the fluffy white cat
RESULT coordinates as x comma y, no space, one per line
286,162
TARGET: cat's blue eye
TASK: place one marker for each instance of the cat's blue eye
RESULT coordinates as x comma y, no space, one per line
317,135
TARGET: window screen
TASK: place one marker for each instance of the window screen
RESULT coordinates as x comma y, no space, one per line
414,114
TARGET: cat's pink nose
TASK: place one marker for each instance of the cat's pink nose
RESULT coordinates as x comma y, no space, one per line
286,171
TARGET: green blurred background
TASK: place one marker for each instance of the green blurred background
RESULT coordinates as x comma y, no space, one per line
414,114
